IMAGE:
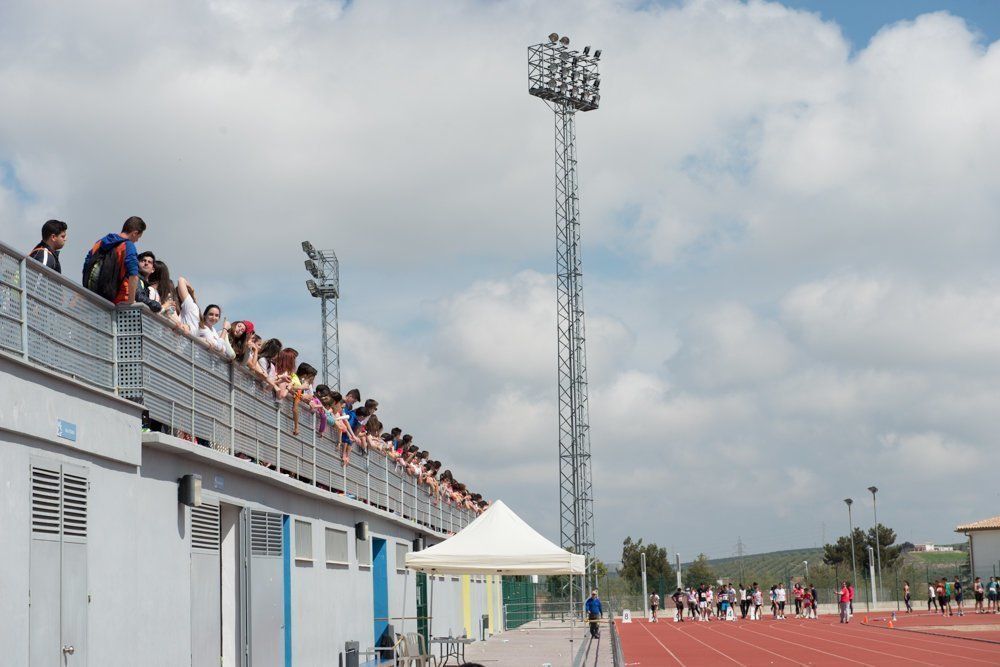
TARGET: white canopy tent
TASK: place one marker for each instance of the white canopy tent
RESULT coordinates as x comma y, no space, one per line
497,542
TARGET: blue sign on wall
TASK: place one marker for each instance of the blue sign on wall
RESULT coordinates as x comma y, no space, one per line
65,429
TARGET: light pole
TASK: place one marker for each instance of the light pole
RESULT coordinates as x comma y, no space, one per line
324,285
806,563
878,552
568,82
854,560
678,557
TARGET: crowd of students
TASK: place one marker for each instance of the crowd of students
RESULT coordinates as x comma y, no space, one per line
705,603
115,270
941,593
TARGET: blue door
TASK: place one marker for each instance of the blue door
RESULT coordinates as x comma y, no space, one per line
380,588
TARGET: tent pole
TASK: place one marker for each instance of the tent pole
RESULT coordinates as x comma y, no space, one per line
430,613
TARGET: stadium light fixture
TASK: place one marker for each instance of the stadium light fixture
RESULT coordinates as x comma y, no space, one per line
324,267
564,80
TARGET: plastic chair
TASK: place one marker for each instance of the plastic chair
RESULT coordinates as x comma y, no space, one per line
412,651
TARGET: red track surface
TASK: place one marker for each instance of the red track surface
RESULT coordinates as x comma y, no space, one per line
823,642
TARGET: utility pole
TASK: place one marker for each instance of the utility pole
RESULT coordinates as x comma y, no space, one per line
568,82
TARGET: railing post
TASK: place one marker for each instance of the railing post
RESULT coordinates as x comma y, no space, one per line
385,462
114,353
232,408
24,306
314,427
194,438
277,437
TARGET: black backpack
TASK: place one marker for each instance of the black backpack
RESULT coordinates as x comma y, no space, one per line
102,272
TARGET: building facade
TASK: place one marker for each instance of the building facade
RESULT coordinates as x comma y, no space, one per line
984,546
287,555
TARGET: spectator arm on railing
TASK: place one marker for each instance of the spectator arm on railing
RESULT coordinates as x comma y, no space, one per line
133,283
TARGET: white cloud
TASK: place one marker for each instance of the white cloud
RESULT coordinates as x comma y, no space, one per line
789,248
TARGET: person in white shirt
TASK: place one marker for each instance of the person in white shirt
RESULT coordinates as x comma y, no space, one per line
780,599
190,314
654,604
211,337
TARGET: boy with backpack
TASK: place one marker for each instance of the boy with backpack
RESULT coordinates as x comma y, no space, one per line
111,268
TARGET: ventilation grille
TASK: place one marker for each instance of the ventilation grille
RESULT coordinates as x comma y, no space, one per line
205,528
265,534
74,505
45,503
58,503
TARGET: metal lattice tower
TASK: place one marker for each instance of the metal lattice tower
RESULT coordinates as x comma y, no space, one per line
325,285
568,81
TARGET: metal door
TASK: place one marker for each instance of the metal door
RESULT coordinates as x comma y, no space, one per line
57,578
206,587
266,587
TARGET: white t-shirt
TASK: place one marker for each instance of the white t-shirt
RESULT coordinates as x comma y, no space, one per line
267,368
211,336
190,315
780,594
153,294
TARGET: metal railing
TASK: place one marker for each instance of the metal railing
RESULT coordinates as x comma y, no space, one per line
198,394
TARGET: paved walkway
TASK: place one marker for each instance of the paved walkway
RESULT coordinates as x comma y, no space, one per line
541,643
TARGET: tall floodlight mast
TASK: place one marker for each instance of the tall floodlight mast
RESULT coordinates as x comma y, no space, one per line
568,82
324,268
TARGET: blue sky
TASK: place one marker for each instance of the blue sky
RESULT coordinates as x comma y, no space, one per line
861,19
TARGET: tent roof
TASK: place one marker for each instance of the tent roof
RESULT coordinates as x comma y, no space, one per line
497,542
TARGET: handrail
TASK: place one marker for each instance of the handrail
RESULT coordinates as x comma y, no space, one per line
193,390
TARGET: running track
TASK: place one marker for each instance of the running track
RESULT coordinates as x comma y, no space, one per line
794,642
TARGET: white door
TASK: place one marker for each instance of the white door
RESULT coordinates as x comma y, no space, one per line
58,597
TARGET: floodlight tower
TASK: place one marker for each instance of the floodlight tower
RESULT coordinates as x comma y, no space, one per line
324,268
568,81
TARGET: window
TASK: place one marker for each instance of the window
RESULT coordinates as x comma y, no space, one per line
364,549
336,547
303,540
402,548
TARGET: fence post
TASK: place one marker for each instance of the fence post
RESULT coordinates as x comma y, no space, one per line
385,465
897,589
194,438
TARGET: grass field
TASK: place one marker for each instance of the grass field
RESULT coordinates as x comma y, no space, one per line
937,557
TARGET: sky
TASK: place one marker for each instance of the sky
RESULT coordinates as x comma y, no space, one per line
789,227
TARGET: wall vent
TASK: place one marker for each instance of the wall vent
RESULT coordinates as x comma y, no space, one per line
74,505
205,529
265,533
46,504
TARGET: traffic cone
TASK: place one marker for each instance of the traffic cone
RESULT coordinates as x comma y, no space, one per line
865,621
890,625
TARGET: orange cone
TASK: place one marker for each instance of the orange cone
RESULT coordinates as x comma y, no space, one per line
890,625
865,622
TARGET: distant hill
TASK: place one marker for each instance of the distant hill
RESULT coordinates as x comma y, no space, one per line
780,565
767,567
